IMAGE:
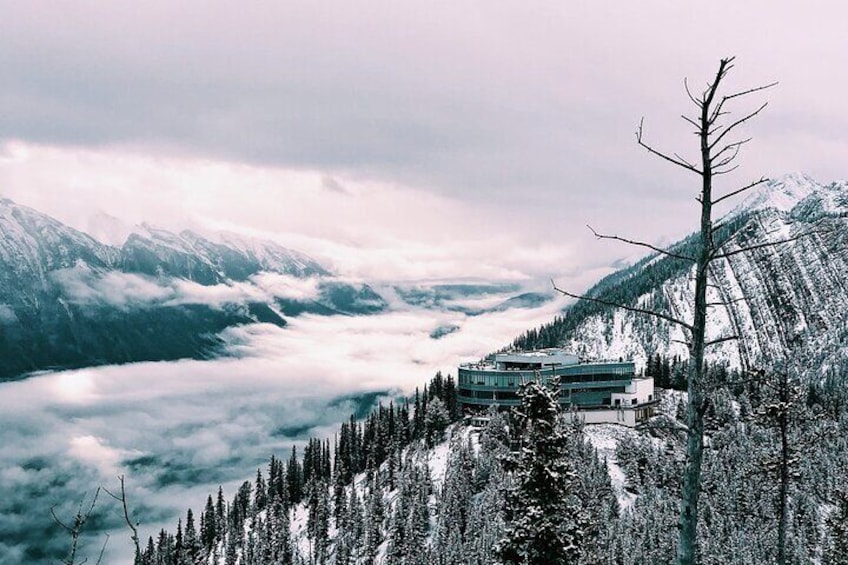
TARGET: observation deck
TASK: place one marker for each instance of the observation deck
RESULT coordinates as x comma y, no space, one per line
605,391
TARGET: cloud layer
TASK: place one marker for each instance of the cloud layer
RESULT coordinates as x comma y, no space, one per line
83,286
497,131
178,430
481,99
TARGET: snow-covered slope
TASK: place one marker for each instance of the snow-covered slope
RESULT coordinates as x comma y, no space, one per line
33,244
69,300
773,296
187,254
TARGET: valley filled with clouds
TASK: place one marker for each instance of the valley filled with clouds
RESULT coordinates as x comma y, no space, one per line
179,429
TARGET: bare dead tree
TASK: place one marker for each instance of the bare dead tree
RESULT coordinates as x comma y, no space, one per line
718,153
784,410
74,529
122,498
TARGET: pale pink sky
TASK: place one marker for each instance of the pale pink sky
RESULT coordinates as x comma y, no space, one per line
413,140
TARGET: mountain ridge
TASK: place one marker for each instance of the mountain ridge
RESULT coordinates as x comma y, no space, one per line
68,300
786,294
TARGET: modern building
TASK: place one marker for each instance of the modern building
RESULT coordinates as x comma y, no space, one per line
595,392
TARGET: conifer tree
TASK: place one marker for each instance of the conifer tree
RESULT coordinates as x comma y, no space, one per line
208,523
373,522
294,478
544,518
190,540
436,420
836,548
260,496
454,504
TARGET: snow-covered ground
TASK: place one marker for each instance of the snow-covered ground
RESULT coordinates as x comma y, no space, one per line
605,438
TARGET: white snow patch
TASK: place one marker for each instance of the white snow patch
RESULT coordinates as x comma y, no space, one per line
605,438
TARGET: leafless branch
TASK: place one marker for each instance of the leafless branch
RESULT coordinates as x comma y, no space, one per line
763,245
740,190
693,122
731,147
640,244
716,114
729,159
102,550
709,94
738,122
717,172
721,340
663,155
123,500
57,520
683,160
725,302
80,518
645,311
751,90
694,100
717,111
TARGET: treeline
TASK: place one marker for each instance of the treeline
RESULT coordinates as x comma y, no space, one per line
317,478
396,514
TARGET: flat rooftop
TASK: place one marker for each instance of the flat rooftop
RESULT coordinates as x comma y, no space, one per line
544,357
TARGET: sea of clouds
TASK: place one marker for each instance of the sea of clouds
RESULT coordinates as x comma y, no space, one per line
178,430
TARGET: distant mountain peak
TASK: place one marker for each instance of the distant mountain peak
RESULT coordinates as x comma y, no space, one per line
782,193
106,228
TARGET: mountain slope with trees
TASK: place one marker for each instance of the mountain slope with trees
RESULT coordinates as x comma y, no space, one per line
408,486
773,296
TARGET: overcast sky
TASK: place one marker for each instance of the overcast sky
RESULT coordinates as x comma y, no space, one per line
394,140
367,131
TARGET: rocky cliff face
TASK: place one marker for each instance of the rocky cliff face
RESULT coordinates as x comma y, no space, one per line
775,297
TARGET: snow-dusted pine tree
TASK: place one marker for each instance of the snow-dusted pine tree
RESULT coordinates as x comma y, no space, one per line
545,521
836,548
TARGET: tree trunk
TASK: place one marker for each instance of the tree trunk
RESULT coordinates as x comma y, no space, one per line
784,470
688,539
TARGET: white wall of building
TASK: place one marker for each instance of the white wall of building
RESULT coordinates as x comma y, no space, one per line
639,390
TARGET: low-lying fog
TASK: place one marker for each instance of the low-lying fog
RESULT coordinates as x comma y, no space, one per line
177,430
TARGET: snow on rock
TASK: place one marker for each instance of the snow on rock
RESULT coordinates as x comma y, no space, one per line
782,193
791,285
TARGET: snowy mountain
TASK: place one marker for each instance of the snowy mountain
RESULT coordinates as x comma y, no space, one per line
69,300
144,293
793,292
154,251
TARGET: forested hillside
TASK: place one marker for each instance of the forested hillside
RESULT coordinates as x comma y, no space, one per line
408,487
793,293
413,483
